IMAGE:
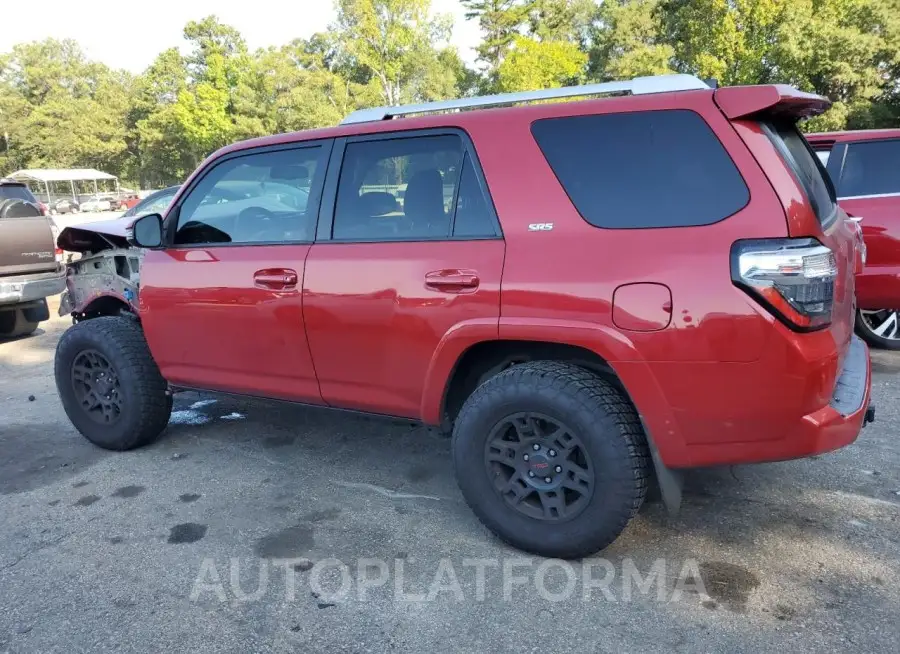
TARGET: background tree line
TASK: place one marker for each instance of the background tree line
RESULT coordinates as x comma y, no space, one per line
58,109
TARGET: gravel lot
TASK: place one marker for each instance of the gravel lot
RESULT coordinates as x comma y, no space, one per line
204,542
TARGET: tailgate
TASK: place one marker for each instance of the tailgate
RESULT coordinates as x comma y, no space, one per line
26,246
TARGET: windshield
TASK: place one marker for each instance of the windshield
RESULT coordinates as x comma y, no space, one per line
156,203
17,192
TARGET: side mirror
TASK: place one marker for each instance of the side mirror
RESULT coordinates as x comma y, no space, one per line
146,231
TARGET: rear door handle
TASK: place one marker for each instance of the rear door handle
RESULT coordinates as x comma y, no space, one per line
278,279
452,280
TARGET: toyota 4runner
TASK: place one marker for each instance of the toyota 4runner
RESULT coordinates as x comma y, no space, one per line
29,271
588,294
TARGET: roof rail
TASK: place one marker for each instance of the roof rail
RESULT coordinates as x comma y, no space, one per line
636,86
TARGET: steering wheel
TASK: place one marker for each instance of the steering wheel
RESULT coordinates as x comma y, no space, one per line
263,223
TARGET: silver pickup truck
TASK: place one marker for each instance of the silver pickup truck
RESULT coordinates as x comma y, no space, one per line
29,270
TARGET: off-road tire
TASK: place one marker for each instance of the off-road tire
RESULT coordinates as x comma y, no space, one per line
146,404
606,423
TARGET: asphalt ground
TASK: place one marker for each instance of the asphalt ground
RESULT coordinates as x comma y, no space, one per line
263,527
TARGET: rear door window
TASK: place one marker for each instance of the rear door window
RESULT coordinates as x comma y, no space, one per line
473,216
871,168
642,170
806,166
415,187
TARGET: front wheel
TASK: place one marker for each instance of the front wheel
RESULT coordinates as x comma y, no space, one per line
879,328
551,458
109,384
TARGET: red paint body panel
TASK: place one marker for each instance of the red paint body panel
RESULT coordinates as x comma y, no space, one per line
852,135
878,286
773,99
716,380
374,324
642,307
209,326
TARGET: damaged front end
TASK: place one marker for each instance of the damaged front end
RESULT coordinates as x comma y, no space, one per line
105,280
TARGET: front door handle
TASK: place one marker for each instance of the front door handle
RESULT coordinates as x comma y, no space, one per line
277,279
452,280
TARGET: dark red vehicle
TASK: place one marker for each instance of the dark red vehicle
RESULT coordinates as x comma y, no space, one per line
865,167
584,293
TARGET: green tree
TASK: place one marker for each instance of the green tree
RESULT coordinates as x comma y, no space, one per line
187,107
628,41
532,64
563,20
57,109
397,43
844,49
727,40
296,87
500,22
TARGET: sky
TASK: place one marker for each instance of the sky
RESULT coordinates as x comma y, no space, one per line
130,34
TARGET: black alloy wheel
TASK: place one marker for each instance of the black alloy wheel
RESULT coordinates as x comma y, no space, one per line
97,387
539,466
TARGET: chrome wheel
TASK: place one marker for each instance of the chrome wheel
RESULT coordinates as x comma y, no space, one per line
884,324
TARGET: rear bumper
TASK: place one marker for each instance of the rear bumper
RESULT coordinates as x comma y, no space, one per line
830,428
16,290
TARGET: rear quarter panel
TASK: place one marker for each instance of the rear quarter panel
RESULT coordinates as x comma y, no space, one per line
694,376
571,272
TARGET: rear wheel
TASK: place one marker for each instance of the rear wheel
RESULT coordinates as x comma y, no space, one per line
879,328
109,385
14,324
551,458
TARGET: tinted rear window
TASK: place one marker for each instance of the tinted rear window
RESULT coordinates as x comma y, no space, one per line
16,191
805,165
871,168
642,170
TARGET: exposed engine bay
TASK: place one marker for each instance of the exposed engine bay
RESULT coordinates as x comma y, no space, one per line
105,279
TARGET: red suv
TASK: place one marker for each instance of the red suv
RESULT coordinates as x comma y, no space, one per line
585,293
865,167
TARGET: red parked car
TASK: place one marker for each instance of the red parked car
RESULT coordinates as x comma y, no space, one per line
584,293
865,167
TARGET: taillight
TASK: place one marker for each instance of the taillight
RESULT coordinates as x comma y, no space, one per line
793,278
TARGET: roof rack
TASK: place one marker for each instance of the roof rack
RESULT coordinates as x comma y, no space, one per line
636,86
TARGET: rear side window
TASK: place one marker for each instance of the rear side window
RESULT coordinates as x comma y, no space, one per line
16,192
806,166
871,168
473,217
642,170
398,188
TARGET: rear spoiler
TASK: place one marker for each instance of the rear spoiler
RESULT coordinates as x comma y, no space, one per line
776,100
